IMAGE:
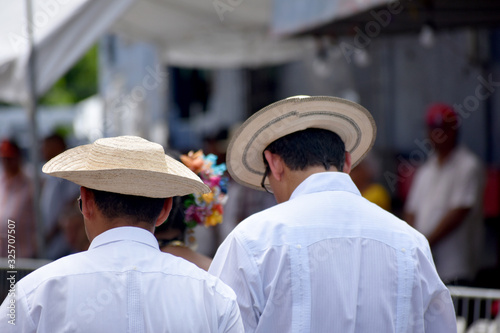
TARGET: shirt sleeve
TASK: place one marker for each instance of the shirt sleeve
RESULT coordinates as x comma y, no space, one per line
235,267
232,322
440,315
468,186
431,295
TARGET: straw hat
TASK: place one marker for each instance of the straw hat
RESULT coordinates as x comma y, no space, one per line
352,122
126,165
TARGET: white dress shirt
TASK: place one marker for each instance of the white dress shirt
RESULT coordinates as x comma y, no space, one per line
436,190
123,283
328,260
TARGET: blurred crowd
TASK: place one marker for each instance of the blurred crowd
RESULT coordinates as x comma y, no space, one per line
63,229
444,201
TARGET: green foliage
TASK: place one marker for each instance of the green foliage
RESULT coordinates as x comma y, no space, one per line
77,84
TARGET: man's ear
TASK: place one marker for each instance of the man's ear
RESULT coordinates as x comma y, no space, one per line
347,163
165,211
276,164
88,203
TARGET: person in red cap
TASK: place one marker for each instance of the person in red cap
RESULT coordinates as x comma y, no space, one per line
445,199
16,204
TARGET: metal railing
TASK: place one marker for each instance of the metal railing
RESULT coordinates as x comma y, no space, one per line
474,305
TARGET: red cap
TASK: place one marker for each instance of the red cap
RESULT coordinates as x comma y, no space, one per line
8,149
440,114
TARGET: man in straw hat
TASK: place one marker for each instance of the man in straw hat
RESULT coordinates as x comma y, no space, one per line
123,283
324,259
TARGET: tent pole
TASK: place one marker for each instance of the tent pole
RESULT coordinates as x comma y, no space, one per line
34,151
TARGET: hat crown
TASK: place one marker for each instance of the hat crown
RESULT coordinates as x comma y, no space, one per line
126,152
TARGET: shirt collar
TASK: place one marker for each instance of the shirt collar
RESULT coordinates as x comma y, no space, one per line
134,234
450,160
326,181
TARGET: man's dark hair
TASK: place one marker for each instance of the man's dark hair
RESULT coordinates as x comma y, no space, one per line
141,209
310,147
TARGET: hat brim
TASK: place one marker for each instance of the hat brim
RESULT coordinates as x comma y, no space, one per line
174,180
353,123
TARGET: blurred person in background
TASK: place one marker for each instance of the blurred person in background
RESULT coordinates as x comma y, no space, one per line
241,201
72,226
56,193
176,235
364,175
445,199
16,202
173,237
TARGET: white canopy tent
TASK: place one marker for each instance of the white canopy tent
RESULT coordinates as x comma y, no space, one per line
190,33
62,31
41,39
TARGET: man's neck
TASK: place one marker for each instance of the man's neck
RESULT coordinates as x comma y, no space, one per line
297,177
96,228
444,154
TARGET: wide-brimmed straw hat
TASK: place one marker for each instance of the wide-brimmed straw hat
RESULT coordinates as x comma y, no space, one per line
352,122
127,165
